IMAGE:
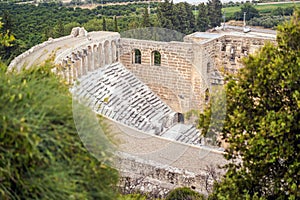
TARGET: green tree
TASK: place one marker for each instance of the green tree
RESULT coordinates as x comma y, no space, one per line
93,25
165,14
41,155
104,28
263,122
69,26
184,193
59,30
6,38
202,18
145,18
250,11
7,41
116,28
214,12
211,121
8,24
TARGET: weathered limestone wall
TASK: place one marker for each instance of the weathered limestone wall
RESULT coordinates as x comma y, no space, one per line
157,180
223,53
174,79
75,54
78,62
230,50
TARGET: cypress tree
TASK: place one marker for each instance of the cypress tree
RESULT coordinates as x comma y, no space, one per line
116,29
103,24
202,17
214,12
146,19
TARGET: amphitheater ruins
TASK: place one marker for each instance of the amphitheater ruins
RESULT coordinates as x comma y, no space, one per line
144,88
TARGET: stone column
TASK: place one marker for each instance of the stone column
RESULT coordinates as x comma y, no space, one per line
84,62
95,57
90,61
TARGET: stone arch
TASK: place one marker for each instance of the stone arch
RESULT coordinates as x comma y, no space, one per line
69,70
95,56
63,69
179,118
136,56
114,51
106,53
155,58
100,62
84,62
74,71
77,66
90,61
80,68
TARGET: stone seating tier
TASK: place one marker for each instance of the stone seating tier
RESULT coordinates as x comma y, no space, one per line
116,93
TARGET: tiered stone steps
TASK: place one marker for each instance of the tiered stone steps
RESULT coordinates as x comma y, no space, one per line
116,93
183,133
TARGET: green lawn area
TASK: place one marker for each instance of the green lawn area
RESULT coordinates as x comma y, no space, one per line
262,8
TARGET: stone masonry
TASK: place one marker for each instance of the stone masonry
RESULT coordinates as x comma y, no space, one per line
158,81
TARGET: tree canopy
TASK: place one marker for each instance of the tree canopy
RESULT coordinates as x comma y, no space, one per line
250,11
41,155
263,122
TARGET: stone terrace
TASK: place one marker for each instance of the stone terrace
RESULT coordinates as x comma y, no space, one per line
116,93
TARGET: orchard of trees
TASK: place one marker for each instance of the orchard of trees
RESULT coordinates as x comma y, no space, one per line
32,24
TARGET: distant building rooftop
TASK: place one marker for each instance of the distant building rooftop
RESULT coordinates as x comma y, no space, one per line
202,37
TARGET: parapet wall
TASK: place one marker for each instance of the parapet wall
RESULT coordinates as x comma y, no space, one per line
157,180
74,55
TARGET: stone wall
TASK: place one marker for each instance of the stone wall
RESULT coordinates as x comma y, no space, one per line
78,62
223,53
157,180
230,50
173,80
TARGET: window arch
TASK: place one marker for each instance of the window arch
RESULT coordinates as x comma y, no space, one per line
137,56
106,53
156,58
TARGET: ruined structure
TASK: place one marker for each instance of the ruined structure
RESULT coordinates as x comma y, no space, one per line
145,87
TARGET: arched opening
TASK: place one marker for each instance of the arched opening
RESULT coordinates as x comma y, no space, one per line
100,56
114,51
208,67
156,58
180,118
106,53
137,56
206,95
95,57
90,58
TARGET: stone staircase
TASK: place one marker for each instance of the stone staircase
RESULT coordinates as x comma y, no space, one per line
183,133
116,93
